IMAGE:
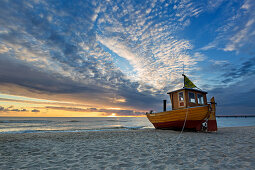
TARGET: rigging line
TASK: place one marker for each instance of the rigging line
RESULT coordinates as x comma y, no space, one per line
177,139
183,125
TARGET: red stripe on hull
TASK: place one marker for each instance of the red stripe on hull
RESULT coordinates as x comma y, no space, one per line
190,124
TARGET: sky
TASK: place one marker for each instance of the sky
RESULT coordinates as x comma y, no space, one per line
101,57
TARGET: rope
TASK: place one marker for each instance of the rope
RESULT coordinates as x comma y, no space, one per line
183,126
177,139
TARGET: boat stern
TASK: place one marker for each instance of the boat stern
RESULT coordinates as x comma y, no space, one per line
212,123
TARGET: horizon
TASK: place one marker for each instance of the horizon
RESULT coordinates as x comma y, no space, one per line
120,58
110,116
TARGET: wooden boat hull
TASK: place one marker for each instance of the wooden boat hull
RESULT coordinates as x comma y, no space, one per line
175,119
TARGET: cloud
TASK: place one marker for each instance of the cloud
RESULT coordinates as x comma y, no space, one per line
245,69
39,82
220,63
35,110
8,109
242,37
153,50
126,53
235,98
43,102
22,74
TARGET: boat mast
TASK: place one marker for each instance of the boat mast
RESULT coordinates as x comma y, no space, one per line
183,68
183,74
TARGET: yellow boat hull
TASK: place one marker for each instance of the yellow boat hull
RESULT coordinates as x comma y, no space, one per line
175,119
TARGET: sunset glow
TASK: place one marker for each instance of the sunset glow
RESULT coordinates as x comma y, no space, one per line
113,115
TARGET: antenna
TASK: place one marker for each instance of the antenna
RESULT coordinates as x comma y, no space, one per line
183,74
183,68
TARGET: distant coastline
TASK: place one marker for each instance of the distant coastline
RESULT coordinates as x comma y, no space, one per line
235,115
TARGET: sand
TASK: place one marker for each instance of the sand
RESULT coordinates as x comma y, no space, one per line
229,148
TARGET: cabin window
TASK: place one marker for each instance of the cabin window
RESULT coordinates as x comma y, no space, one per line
200,99
192,97
181,98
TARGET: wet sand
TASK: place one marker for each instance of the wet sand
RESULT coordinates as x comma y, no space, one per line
229,148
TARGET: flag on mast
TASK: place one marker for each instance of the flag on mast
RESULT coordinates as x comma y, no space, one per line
188,83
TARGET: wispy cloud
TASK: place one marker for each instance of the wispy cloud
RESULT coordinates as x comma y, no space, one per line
153,49
242,37
236,31
246,69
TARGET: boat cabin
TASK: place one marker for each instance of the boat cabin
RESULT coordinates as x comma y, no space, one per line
187,97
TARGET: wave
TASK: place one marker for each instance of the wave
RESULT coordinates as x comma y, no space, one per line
122,127
21,131
115,120
25,121
75,130
73,121
109,120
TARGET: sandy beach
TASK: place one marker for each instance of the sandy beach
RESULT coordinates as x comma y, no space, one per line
229,148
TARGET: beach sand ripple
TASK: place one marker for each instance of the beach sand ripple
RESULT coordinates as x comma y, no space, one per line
229,148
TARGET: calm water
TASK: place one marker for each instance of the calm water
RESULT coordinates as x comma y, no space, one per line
42,125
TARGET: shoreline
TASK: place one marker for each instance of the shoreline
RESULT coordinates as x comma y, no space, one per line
229,148
102,130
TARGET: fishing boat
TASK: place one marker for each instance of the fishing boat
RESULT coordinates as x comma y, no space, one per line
190,110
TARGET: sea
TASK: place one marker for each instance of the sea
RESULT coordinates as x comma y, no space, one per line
80,124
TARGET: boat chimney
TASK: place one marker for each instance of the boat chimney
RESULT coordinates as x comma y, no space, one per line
164,105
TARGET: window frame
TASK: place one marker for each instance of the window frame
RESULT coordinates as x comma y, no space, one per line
183,101
179,96
194,97
202,96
